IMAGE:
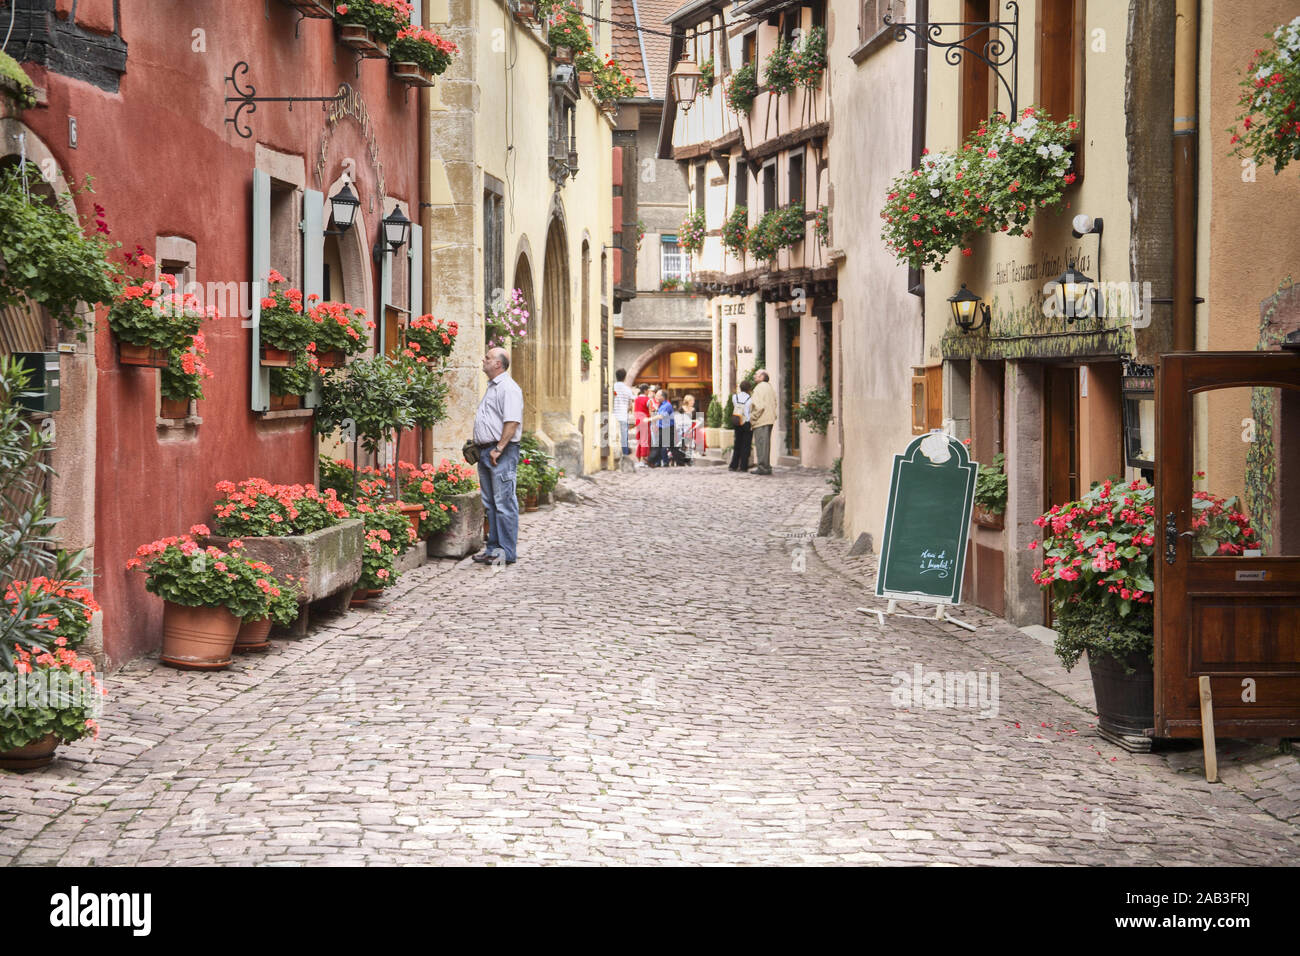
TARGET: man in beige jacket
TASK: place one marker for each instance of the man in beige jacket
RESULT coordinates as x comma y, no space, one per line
762,416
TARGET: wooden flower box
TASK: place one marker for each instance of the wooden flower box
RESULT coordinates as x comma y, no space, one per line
312,8
281,403
361,40
586,79
331,359
412,74
277,358
562,54
324,564
141,355
986,519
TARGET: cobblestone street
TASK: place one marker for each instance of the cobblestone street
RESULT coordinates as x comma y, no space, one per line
675,671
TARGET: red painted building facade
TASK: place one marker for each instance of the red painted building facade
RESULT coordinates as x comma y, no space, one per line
135,96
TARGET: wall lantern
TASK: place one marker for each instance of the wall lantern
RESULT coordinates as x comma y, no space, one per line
686,81
967,308
1139,392
1074,298
397,229
343,208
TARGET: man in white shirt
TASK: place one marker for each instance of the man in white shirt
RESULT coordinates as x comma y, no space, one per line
623,399
497,432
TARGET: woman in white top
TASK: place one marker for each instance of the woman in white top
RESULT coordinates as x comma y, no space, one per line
744,434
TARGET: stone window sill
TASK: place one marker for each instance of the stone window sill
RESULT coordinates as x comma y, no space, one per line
881,39
285,413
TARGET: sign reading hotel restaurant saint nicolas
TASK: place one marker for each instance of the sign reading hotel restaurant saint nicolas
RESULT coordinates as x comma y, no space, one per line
1045,270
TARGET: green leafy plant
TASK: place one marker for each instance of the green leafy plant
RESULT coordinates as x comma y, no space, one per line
706,73
48,692
338,327
726,413
179,570
836,478
371,397
1098,564
377,559
781,69
183,377
387,518
150,312
26,538
588,356
425,48
1267,129
612,84
822,224
383,18
257,508
991,486
815,409
45,255
713,414
743,89
426,394
692,230
1004,173
15,84
810,59
509,322
735,231
567,28
283,322
67,608
421,487
297,378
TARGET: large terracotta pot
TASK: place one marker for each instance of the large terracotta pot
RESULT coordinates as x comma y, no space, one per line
141,355
30,756
198,638
253,636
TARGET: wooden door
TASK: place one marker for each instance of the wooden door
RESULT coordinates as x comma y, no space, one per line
1226,426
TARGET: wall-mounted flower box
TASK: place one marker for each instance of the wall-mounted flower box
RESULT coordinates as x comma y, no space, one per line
277,358
562,54
525,10
986,519
361,40
412,74
141,355
586,78
332,359
282,403
312,8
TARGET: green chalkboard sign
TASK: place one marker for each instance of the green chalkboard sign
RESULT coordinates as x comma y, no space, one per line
923,555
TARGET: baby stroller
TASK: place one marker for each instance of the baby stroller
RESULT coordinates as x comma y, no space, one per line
682,451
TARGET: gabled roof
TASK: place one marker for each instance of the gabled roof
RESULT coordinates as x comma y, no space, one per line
643,54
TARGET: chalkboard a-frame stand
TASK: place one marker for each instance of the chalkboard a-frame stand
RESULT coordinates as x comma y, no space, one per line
923,556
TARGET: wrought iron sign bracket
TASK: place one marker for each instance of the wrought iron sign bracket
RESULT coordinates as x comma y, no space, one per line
248,99
997,52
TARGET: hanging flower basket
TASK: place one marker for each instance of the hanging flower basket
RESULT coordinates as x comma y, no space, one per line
141,355
412,74
277,358
311,8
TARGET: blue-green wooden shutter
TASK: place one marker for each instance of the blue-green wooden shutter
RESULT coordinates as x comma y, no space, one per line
385,291
313,264
260,377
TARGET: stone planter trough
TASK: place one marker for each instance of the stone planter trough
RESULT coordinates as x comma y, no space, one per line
464,535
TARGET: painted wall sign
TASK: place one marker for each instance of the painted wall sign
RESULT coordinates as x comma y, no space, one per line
923,557
737,309
1049,267
354,106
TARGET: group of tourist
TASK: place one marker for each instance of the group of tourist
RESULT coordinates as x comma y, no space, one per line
670,433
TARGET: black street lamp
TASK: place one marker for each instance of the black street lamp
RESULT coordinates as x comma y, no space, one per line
1072,290
343,209
967,308
397,229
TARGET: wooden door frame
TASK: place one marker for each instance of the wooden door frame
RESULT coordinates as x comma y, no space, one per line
1176,692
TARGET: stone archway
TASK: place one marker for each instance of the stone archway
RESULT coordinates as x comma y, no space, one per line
523,352
644,358
556,320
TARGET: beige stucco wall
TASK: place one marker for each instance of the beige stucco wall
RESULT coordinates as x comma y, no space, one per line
871,117
1249,231
496,122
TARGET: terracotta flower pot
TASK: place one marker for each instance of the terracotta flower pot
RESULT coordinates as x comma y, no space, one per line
30,756
525,10
986,519
361,596
197,638
562,54
277,358
411,510
359,38
530,501
281,403
333,359
141,355
174,408
586,78
412,74
253,636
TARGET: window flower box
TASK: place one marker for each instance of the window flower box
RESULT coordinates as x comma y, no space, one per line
141,355
311,8
277,358
412,75
562,54
363,42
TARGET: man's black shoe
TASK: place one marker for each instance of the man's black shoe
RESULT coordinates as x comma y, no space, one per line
482,558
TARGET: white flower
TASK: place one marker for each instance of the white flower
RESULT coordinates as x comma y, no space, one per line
1042,151
934,194
1056,149
1264,73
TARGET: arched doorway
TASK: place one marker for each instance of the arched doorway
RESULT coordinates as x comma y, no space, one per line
681,367
554,346
523,352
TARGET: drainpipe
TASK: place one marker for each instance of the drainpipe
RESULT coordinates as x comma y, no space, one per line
1186,70
424,127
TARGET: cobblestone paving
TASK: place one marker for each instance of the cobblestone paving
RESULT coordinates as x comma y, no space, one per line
673,672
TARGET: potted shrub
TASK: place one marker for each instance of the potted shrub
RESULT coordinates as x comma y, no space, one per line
338,330
587,65
377,571
281,610
611,84
368,26
53,697
181,380
527,478
567,34
991,494
456,486
1098,559
207,593
815,409
284,328
150,319
304,534
419,55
